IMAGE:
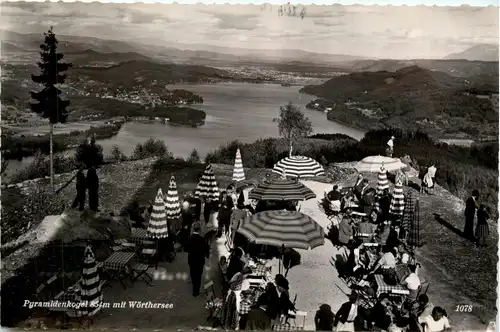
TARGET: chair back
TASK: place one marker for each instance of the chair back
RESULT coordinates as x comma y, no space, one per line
209,290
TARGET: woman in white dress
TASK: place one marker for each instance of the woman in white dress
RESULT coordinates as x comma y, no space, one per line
345,317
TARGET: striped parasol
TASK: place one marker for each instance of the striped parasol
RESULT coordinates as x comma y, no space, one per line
90,294
372,164
207,187
281,189
238,172
281,228
299,166
397,206
382,181
172,204
157,227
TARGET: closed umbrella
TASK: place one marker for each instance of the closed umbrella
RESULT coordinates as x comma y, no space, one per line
397,206
172,204
281,189
157,227
299,166
382,181
207,187
372,164
238,172
90,287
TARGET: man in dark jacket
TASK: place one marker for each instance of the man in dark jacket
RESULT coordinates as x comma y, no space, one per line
93,187
380,316
470,212
198,250
81,190
258,319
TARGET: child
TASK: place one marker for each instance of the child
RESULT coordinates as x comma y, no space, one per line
245,305
324,318
482,229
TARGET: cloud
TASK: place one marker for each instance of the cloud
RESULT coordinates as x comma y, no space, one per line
378,31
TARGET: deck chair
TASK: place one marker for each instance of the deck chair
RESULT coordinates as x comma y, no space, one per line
123,245
141,271
213,303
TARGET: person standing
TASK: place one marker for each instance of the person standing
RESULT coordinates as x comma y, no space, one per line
93,187
238,214
81,190
225,211
470,213
482,230
390,147
198,250
344,319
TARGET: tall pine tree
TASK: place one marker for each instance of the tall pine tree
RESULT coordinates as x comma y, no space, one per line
47,103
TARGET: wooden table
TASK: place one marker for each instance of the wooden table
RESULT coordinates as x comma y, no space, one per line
139,235
382,287
118,265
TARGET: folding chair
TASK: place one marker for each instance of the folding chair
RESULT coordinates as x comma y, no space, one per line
148,252
423,288
213,303
141,271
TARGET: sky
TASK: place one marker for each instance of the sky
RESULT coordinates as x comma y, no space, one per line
371,31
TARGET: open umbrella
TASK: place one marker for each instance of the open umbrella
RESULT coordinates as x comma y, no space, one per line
382,181
281,189
397,206
281,228
284,229
90,289
372,164
207,187
157,227
299,166
238,172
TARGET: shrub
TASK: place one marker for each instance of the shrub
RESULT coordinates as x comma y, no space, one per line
151,148
194,157
117,154
40,167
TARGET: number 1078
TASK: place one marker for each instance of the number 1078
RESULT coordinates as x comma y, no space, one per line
463,308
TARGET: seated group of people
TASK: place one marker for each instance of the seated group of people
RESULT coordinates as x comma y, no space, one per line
388,314
247,308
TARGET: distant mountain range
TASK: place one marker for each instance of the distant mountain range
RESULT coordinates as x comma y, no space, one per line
481,52
13,42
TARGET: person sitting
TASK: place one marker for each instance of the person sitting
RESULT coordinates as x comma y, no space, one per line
403,255
366,230
334,197
368,200
323,320
420,312
356,267
412,282
346,231
359,182
285,304
360,189
382,233
387,261
437,321
380,315
236,263
135,216
257,318
273,301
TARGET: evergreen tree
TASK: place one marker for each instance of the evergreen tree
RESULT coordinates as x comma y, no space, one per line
47,103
